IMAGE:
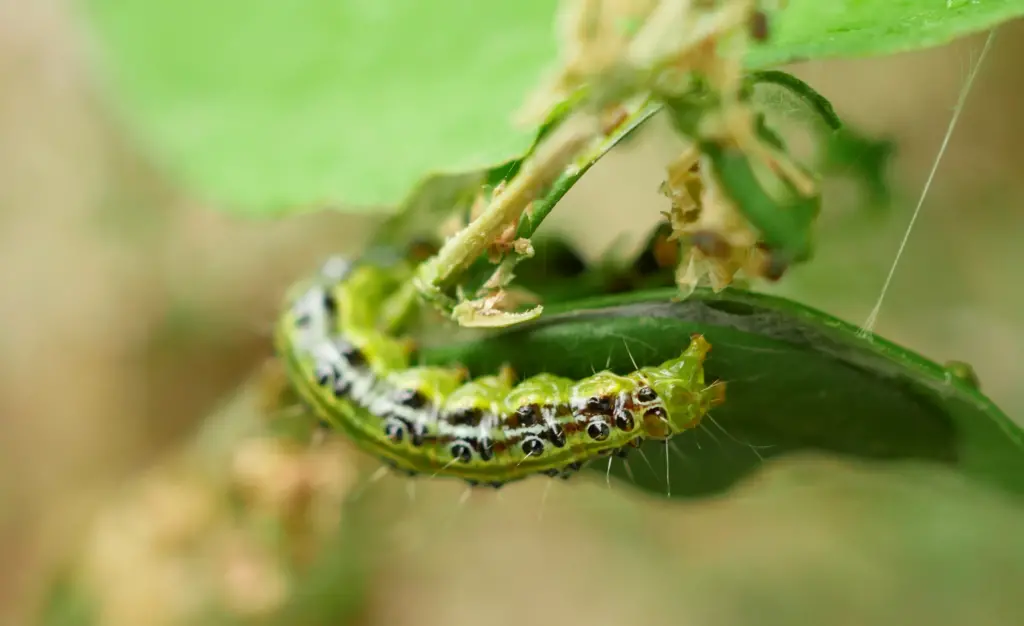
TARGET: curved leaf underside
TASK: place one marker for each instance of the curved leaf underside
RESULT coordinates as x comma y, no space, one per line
798,379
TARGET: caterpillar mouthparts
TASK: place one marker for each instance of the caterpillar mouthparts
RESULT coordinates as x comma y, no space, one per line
434,420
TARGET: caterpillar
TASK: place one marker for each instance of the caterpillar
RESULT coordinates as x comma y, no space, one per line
429,419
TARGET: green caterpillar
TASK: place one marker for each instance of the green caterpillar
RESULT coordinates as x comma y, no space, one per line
357,378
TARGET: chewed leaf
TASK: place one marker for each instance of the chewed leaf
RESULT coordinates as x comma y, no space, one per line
475,314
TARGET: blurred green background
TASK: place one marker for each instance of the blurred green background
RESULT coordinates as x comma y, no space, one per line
131,310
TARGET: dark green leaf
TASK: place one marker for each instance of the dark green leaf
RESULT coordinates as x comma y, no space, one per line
865,159
786,224
845,151
797,379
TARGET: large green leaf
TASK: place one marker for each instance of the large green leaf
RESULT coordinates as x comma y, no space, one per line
819,29
797,379
267,107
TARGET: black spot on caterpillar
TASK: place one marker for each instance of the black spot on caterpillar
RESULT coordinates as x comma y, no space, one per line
486,430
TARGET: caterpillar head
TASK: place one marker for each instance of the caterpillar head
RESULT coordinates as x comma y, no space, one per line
673,396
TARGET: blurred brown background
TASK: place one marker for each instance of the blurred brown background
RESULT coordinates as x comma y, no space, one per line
130,310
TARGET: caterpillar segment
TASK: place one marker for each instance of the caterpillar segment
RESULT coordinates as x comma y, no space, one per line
436,421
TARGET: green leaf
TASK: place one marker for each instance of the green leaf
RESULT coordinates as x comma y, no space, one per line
785,224
819,29
278,107
800,90
435,199
441,196
797,379
267,106
866,159
845,151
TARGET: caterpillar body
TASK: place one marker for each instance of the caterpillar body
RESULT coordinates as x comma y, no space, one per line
433,420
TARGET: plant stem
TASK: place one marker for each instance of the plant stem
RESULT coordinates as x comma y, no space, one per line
552,157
